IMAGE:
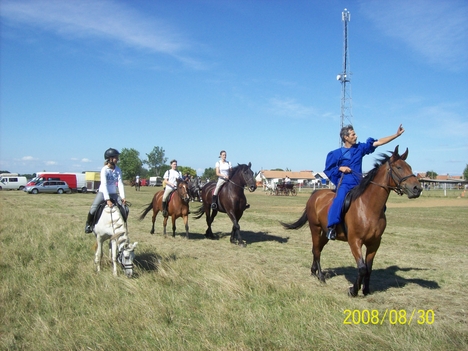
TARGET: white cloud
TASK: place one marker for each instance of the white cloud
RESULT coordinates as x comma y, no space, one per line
28,158
86,160
291,108
50,163
103,19
436,30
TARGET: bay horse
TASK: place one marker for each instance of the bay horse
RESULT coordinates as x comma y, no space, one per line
231,200
365,221
178,206
111,225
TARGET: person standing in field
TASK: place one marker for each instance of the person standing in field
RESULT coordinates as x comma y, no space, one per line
344,169
170,178
111,179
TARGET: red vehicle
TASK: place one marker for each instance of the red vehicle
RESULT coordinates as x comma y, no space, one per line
76,181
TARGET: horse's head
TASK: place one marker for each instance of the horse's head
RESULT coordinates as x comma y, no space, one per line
248,176
402,177
183,190
126,256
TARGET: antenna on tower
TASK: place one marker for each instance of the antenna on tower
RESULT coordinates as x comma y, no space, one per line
344,77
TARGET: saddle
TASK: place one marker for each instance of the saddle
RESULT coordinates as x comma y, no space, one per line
124,210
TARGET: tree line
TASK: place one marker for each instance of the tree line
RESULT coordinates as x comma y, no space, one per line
156,161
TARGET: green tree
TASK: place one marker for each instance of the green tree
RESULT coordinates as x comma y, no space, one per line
130,163
465,173
209,173
431,174
184,170
155,160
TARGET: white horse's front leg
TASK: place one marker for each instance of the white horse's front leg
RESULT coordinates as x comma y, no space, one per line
98,255
114,256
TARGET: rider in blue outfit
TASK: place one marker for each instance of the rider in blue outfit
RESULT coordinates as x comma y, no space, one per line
344,169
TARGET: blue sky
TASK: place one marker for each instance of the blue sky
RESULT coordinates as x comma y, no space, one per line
254,78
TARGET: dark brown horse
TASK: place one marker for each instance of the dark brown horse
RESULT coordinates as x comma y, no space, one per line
231,200
178,206
365,221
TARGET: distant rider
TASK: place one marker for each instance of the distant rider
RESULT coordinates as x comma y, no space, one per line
170,177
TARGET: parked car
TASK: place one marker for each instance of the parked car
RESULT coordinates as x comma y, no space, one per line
49,186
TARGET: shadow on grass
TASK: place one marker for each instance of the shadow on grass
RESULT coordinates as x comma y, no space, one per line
256,237
384,279
149,261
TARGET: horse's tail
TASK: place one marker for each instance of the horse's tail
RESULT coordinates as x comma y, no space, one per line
297,224
199,212
146,210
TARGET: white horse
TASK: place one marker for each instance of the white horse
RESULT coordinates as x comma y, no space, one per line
111,225
267,185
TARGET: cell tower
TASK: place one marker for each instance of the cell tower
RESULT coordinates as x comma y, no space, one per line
344,77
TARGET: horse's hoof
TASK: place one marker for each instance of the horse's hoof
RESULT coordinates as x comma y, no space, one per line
351,292
242,243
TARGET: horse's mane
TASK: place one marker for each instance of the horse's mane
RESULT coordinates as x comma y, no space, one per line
234,170
359,189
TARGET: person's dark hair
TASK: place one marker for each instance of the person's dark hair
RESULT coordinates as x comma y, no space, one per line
173,161
221,152
345,132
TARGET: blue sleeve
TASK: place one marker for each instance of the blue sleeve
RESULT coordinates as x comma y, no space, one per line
332,167
368,147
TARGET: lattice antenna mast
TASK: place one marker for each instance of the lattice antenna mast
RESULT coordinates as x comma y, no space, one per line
344,77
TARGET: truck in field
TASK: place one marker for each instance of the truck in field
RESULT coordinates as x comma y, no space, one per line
76,181
93,180
12,181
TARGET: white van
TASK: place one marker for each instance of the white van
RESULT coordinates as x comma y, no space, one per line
12,181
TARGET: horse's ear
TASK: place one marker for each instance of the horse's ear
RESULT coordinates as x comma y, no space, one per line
405,155
395,153
250,164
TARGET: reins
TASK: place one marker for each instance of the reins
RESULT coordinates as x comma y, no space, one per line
398,189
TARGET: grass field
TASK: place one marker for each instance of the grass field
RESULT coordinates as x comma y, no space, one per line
200,294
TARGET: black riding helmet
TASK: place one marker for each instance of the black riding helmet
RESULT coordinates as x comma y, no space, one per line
111,153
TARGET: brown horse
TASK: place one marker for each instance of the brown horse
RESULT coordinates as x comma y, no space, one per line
231,200
178,206
365,221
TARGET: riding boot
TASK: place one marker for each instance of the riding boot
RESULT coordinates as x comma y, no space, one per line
89,223
164,211
331,235
214,202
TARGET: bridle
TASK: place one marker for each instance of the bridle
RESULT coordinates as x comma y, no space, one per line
185,197
392,174
240,186
121,245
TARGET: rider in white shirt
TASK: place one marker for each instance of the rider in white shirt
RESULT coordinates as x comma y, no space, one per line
223,167
170,176
111,179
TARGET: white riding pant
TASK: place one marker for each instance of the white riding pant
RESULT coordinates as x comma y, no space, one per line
167,191
220,182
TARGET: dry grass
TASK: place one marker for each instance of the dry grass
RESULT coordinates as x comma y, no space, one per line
200,294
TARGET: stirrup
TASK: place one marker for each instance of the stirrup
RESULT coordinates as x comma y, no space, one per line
214,206
88,229
331,235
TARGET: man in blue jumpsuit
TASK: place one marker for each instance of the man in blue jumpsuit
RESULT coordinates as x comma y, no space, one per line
344,169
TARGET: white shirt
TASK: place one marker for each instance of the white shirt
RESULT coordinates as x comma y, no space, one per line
110,180
224,167
171,176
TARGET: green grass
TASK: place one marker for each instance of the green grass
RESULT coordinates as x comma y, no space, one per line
200,294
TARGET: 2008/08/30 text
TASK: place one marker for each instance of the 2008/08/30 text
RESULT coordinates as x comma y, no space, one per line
401,317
